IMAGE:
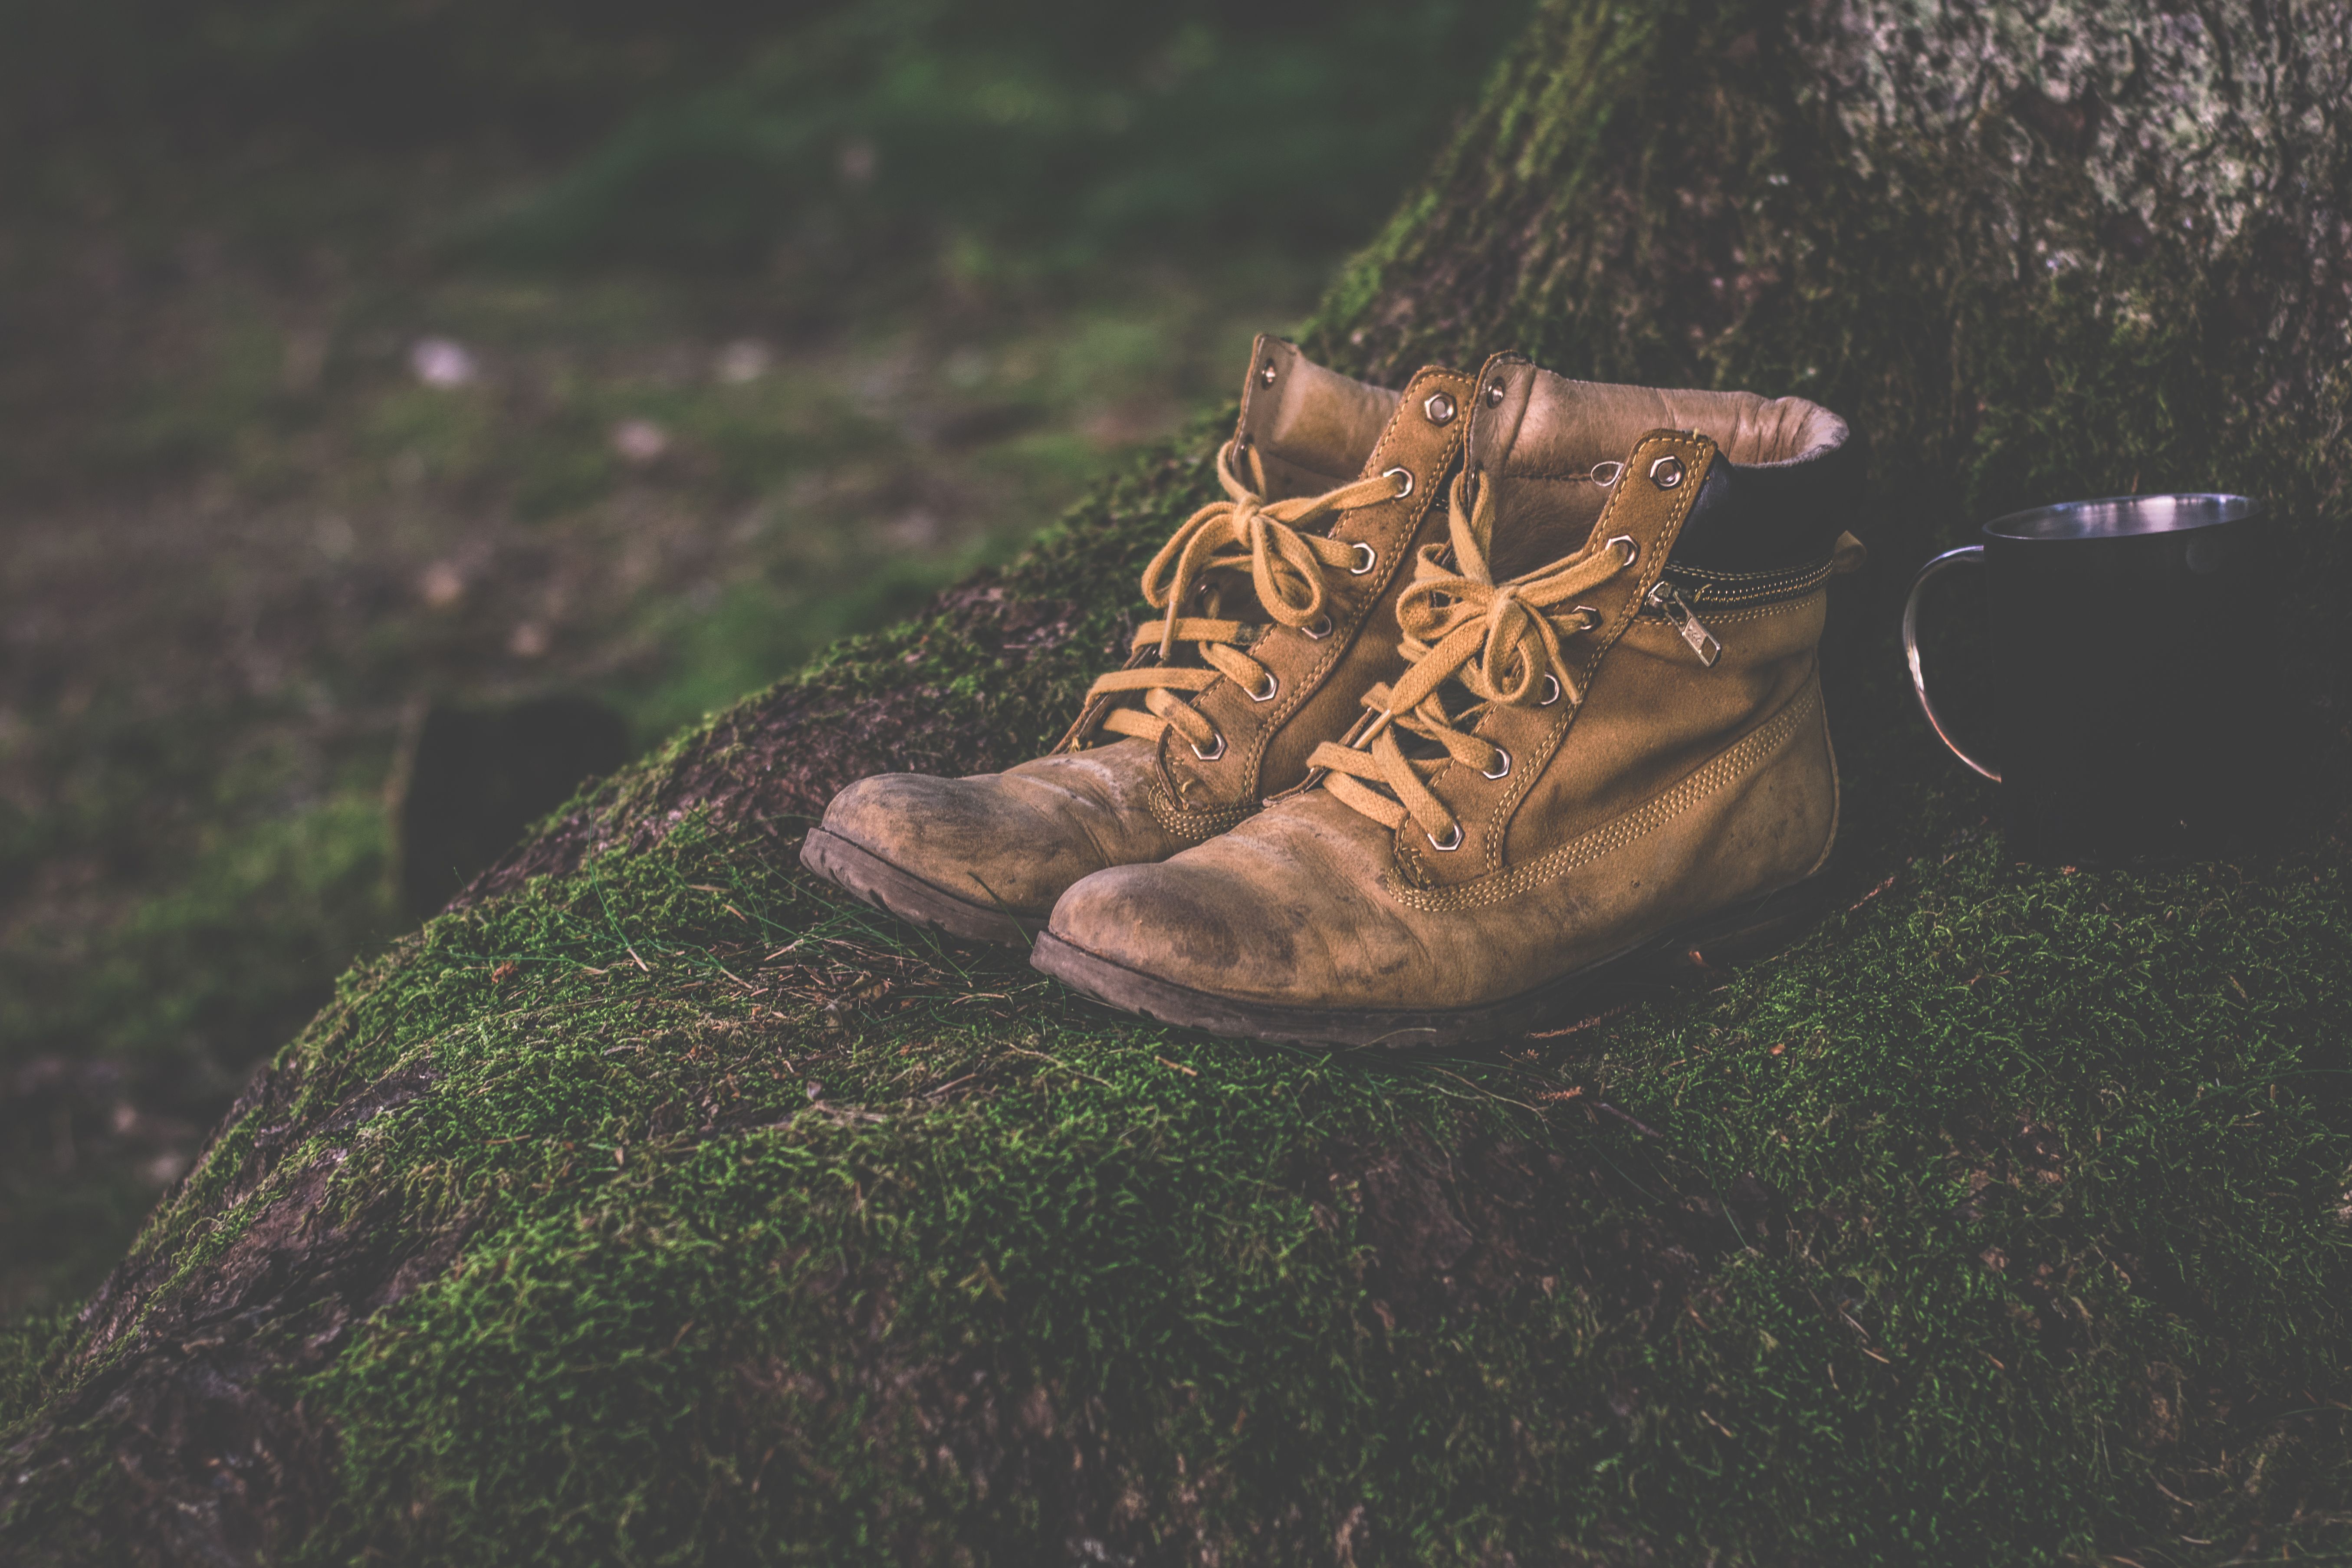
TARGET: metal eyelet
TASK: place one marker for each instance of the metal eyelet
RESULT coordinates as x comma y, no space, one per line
1406,475
1439,409
1273,685
1633,551
1320,630
1666,472
1495,395
1551,691
1503,772
1266,376
1366,559
1450,844
1589,617
1210,756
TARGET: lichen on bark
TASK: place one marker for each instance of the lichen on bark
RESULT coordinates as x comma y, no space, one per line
653,1205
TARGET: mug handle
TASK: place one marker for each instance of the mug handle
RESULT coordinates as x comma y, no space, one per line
1966,555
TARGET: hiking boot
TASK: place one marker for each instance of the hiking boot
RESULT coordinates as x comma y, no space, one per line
1609,741
1277,613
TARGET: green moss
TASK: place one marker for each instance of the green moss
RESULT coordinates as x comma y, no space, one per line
2054,1163
252,936
26,1342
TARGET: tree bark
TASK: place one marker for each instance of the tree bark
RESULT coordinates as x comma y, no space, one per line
2035,251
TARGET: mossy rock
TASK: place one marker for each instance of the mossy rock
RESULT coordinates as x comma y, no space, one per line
656,1205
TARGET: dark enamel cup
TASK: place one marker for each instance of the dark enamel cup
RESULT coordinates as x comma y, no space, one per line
2132,667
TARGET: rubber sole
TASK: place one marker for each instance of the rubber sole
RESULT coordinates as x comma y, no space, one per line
1734,935
865,874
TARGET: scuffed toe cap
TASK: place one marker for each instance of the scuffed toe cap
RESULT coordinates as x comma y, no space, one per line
975,838
885,811
1166,920
1214,923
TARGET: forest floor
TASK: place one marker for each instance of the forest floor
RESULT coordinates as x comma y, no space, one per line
276,474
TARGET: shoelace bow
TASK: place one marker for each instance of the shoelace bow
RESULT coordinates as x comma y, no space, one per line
1286,566
1501,642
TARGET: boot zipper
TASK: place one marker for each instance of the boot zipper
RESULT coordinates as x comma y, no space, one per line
1668,600
1744,588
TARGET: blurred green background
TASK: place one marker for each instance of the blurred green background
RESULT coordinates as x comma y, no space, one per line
358,354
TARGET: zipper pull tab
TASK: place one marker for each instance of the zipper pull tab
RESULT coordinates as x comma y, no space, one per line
1668,600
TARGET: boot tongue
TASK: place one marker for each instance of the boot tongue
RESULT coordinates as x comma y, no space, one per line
1327,414
1457,699
1309,426
1546,475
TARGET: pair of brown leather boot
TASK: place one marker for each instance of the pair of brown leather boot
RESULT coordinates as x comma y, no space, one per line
1464,696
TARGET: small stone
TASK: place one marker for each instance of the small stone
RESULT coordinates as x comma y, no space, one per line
640,441
442,584
744,360
915,529
443,362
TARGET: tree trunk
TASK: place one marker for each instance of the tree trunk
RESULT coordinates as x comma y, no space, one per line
650,1203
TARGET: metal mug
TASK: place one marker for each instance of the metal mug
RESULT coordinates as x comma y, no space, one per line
2130,649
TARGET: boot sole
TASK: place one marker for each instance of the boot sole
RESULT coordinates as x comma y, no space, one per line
865,875
1750,929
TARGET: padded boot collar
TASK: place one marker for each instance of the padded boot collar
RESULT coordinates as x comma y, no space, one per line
1789,482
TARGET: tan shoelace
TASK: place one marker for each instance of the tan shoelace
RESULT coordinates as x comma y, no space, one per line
1501,642
1286,567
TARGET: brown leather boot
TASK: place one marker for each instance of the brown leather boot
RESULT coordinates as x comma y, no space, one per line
1611,738
1277,613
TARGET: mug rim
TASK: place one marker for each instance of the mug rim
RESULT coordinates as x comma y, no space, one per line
2125,516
